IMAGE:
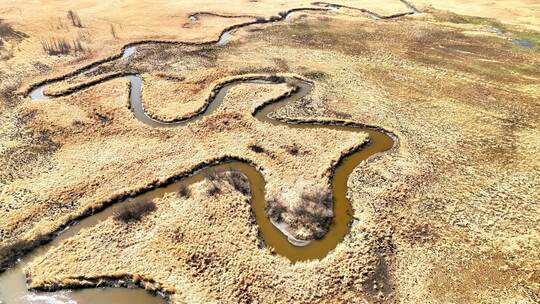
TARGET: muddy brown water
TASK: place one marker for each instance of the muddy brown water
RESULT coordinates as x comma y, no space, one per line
13,289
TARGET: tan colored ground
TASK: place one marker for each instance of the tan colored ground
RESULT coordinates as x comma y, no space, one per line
451,215
516,12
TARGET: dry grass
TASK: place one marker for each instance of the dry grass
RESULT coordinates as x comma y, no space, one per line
239,181
184,191
134,211
463,170
213,189
61,46
257,148
74,18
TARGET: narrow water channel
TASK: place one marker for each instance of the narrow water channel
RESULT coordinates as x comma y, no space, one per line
272,236
380,142
13,288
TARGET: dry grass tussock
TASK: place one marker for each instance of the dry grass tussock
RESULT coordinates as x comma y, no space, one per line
235,178
132,212
314,212
238,181
62,46
74,18
184,191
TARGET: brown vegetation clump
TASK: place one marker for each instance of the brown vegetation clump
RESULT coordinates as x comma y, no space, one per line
184,191
132,212
256,148
312,213
275,209
213,189
75,19
293,149
239,181
61,46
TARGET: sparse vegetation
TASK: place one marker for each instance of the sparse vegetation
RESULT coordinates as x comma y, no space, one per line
61,46
292,149
113,31
256,148
134,211
184,191
213,189
321,198
75,19
239,181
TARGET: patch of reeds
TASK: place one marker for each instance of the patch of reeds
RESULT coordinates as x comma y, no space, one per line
213,189
320,198
184,191
239,181
132,212
61,46
75,19
256,148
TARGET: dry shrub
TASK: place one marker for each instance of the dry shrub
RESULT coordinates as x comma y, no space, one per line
132,212
75,19
211,176
275,210
213,190
314,213
256,148
184,191
323,198
113,32
61,46
239,181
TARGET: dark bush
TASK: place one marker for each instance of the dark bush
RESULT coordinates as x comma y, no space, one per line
75,20
292,149
104,119
239,181
319,197
184,191
211,176
213,190
61,46
275,209
256,148
134,211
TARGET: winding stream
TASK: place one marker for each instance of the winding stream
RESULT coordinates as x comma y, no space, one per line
13,288
272,236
